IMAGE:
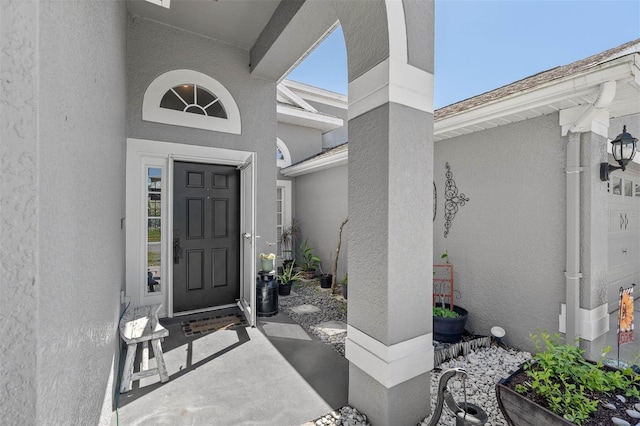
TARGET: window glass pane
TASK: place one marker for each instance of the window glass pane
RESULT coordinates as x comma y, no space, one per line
616,185
637,189
154,229
279,154
194,109
628,188
185,91
205,97
216,110
171,101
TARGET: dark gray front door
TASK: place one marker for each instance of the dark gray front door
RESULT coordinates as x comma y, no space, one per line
206,236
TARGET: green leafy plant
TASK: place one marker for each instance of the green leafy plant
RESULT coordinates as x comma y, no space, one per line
288,238
439,311
345,280
310,261
561,377
289,274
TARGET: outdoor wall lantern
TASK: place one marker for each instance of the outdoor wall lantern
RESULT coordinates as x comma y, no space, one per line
624,148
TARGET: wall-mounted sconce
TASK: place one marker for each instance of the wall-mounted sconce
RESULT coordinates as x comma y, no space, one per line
624,148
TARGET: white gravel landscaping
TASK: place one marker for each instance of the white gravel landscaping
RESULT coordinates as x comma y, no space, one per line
484,366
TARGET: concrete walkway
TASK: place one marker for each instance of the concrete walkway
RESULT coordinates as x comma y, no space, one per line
275,374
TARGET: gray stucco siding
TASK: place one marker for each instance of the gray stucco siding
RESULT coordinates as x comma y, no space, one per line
507,243
81,203
302,142
321,206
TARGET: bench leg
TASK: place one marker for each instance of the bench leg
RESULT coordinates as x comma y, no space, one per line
162,368
127,374
145,356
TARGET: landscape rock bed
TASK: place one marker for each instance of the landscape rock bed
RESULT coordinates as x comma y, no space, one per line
332,308
485,366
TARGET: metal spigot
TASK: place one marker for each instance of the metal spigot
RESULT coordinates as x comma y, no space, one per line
469,415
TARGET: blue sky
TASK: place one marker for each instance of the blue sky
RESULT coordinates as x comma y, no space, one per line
482,45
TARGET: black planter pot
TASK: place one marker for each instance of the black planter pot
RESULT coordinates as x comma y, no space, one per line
325,280
284,289
449,330
266,294
345,287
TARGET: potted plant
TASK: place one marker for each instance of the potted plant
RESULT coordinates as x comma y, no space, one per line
310,261
288,240
325,279
345,284
449,324
287,278
559,387
267,261
448,321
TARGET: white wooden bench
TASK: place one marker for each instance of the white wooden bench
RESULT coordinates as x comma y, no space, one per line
140,325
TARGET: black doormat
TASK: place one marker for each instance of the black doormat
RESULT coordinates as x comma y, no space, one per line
211,324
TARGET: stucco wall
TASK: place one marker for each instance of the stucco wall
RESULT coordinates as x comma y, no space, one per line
153,49
302,142
82,151
18,210
321,206
62,256
507,242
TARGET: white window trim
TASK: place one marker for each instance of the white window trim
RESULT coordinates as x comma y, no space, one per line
287,210
151,110
286,162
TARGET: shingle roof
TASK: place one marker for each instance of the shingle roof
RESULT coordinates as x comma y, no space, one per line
543,77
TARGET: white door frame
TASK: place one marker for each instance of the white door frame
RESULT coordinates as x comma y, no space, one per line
142,153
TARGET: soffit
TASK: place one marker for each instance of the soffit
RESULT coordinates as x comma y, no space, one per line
237,22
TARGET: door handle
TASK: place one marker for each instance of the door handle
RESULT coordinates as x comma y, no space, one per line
176,251
246,236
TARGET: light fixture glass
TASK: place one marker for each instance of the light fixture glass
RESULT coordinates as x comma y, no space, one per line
623,148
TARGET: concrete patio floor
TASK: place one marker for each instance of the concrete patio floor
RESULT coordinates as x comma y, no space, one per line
275,374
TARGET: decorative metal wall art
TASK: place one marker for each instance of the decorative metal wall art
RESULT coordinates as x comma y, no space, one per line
453,200
435,201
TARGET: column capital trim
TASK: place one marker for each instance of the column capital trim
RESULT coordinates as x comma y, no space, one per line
390,365
391,81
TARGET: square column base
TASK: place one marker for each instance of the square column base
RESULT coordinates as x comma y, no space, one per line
407,403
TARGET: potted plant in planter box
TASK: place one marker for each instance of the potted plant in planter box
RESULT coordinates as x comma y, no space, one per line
287,278
560,387
310,261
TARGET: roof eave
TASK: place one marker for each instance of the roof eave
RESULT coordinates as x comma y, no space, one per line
317,164
622,69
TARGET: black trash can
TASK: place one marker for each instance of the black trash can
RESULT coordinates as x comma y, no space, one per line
267,294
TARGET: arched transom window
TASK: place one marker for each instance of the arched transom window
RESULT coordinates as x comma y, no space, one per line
194,99
191,99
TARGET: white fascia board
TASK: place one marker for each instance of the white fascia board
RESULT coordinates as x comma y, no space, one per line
317,164
294,99
538,96
314,120
316,94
